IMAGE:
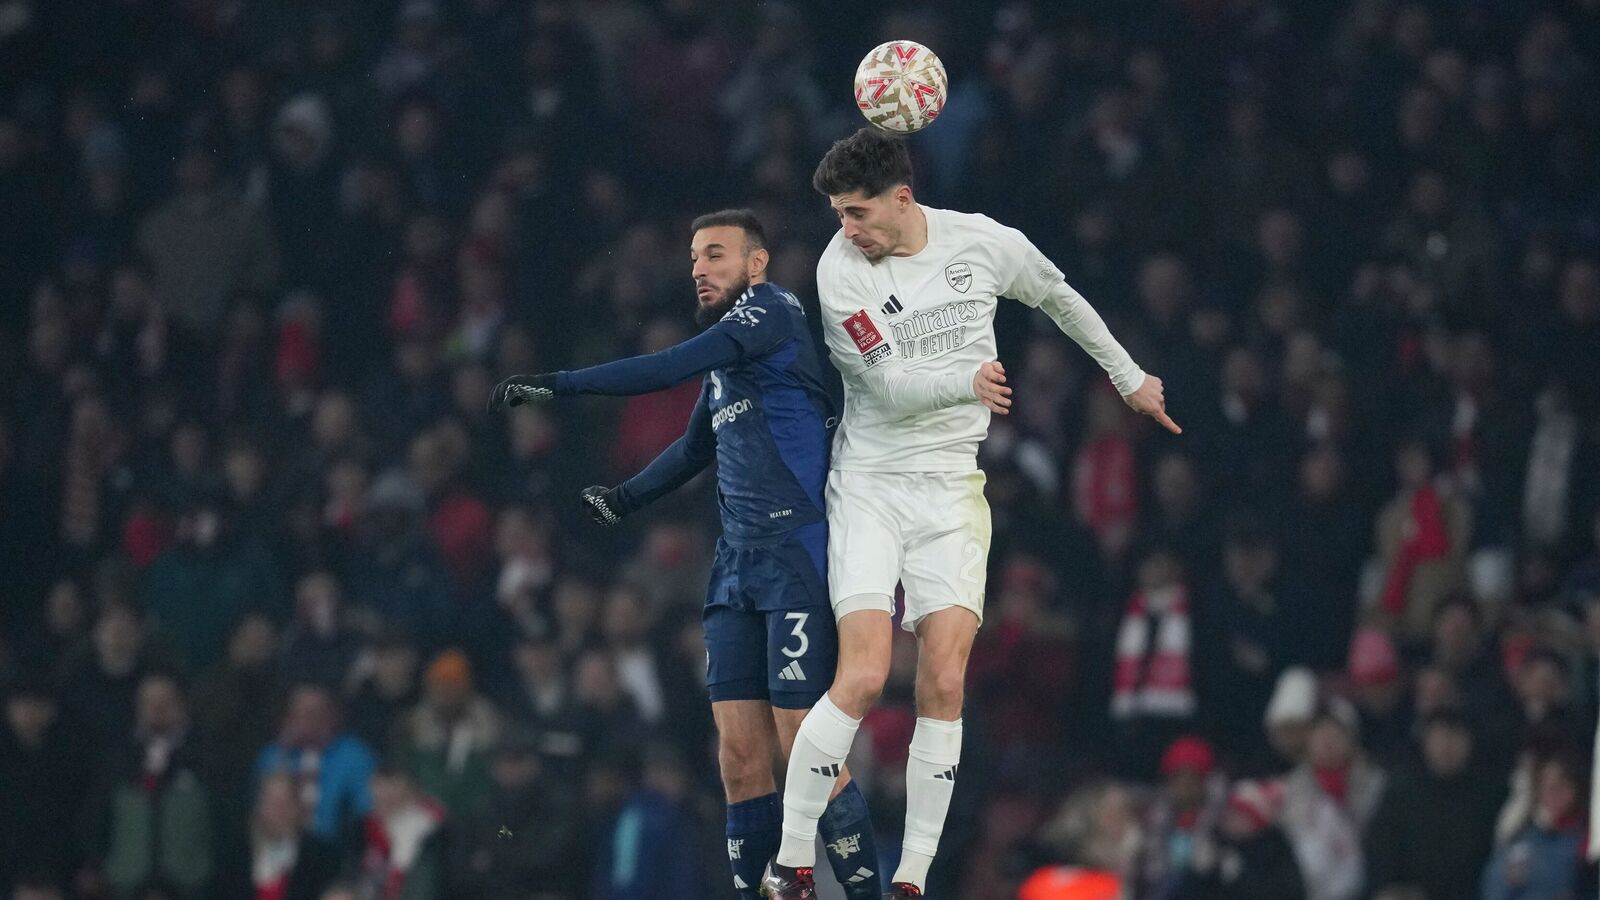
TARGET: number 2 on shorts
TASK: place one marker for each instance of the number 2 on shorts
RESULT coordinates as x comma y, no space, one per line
969,572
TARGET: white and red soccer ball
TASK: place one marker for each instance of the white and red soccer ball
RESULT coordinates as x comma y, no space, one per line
901,87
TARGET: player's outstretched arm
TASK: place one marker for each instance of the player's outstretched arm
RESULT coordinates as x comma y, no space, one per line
625,377
1037,282
685,458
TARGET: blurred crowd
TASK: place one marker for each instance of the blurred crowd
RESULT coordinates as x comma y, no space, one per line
286,616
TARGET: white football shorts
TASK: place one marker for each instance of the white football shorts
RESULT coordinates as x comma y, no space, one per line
926,530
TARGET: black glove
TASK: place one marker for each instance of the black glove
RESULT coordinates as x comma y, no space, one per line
520,389
602,504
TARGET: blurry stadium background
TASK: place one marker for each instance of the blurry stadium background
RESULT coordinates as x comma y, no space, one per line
266,562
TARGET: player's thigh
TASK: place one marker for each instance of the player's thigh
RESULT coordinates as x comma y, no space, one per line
865,529
736,654
947,560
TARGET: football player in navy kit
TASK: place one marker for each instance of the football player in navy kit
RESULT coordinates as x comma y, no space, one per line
764,415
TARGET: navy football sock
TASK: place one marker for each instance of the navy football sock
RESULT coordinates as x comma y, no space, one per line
754,830
846,829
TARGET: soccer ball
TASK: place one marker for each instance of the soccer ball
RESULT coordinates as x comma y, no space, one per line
901,86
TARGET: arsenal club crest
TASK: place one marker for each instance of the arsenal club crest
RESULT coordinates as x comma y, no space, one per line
959,274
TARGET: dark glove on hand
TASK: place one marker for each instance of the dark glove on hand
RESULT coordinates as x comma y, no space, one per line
520,389
602,504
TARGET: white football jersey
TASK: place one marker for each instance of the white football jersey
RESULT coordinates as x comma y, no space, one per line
908,334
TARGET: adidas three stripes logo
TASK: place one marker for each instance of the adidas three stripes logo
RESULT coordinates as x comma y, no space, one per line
792,672
831,770
948,774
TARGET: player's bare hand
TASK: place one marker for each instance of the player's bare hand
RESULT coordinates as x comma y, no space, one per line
990,386
1150,401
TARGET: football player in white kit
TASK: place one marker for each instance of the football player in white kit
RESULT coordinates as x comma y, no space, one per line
908,297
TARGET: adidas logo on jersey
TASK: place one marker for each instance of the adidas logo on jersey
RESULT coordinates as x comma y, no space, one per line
792,672
948,774
830,770
862,874
893,306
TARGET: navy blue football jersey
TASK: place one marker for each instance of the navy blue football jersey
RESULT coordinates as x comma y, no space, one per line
770,415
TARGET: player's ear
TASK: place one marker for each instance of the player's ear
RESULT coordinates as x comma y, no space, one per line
756,262
902,196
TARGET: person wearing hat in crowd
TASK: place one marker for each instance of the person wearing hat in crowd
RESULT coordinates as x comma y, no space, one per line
450,735
1288,720
1329,799
1185,810
1379,691
527,834
1435,824
1250,859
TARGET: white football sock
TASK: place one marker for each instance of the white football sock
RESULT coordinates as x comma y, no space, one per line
820,747
930,780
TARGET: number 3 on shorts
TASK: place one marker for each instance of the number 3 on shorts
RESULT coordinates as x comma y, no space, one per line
799,619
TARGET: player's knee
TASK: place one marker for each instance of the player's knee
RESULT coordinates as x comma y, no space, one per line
940,691
857,687
746,770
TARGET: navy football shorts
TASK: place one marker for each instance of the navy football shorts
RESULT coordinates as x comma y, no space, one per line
770,633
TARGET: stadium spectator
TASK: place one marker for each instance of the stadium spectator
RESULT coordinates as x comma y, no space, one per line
1185,814
209,559
330,766
1250,858
97,699
450,736
649,840
319,644
526,834
40,777
234,712
1378,688
1436,820
1542,857
150,820
382,686
205,245
1153,691
1288,719
403,840
1328,803
281,860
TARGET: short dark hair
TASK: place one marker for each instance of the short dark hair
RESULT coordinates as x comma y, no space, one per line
736,218
868,161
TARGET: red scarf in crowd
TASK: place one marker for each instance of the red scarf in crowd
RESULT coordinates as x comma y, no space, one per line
1153,676
1426,539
